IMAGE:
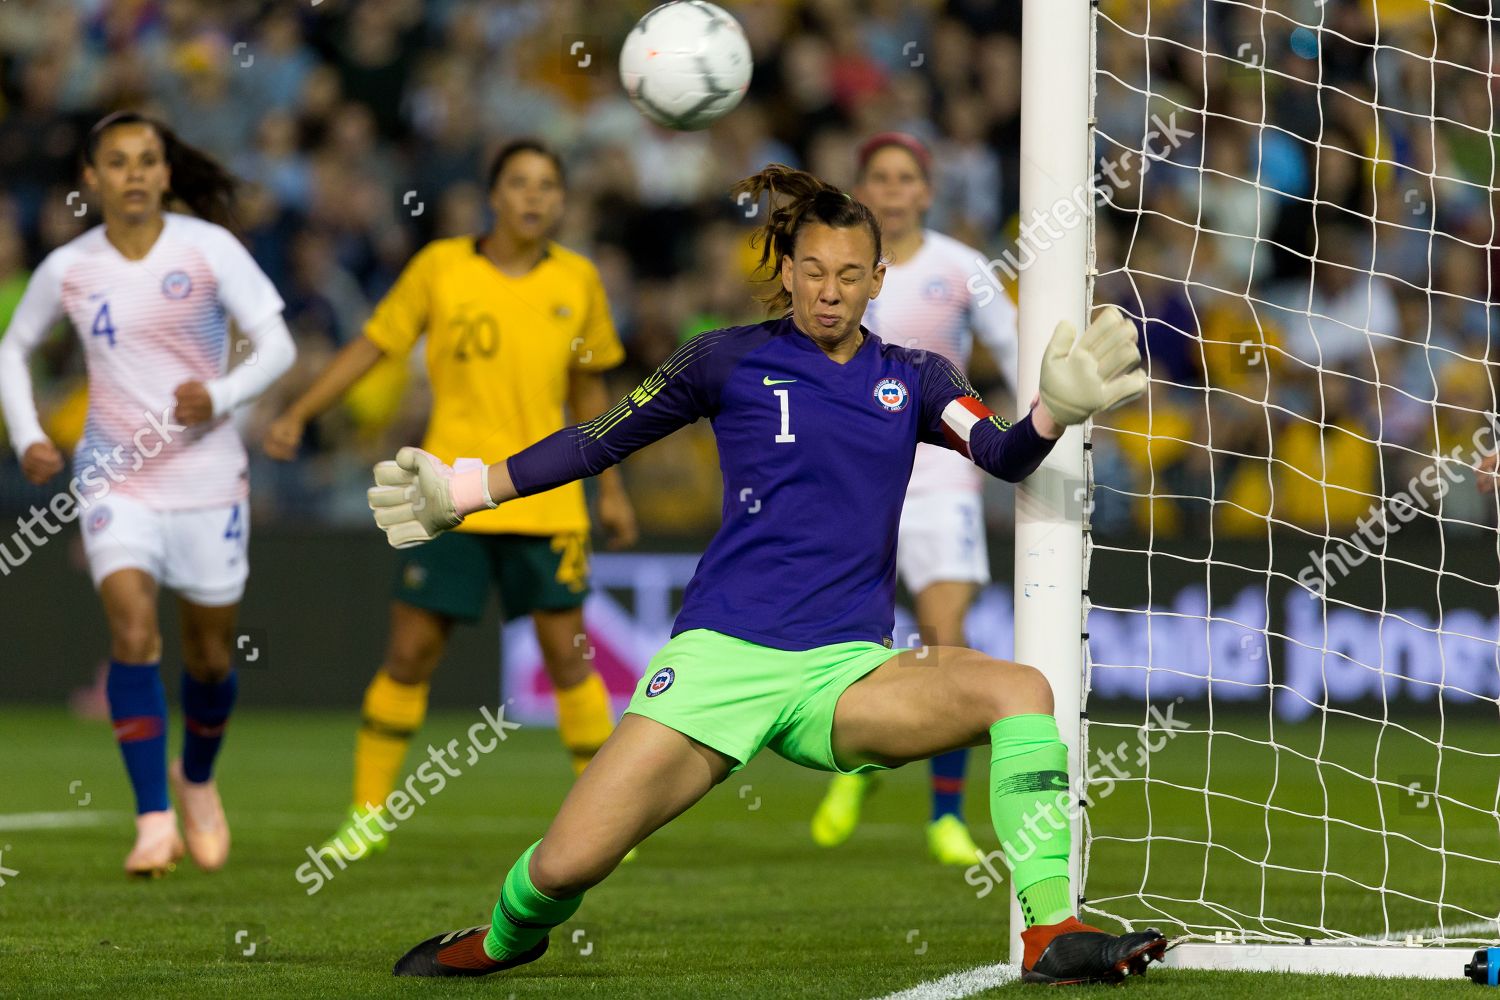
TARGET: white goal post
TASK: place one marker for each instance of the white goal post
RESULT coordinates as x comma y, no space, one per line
1281,829
1049,553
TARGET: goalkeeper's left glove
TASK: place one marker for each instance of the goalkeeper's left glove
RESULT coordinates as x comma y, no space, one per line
418,496
1100,371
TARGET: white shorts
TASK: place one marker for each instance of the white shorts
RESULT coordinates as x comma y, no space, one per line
942,539
199,553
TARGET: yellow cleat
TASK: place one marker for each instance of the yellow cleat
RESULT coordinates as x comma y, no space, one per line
838,813
359,836
949,843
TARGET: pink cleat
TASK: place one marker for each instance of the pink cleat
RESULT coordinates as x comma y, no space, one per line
157,845
202,819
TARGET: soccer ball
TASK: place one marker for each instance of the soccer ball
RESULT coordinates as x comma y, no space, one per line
685,64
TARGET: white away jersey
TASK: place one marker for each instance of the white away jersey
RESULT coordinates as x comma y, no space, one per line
148,326
926,305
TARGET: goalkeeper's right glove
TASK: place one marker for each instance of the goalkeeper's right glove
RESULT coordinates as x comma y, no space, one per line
1099,371
418,496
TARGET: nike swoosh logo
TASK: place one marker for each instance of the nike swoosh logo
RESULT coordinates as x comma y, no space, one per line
777,381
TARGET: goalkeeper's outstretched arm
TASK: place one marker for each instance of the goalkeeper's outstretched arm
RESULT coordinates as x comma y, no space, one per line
418,496
1080,377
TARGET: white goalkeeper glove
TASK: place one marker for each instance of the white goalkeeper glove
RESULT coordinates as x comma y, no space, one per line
418,496
1099,371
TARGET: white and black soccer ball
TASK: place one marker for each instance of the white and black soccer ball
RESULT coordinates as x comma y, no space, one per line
686,64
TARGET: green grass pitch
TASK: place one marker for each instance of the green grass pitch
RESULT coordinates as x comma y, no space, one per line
732,900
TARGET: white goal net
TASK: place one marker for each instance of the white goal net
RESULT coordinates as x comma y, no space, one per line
1293,701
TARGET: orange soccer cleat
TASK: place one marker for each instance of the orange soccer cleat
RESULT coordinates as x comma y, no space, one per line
203,819
158,846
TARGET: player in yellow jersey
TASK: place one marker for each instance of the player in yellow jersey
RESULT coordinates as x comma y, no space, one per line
517,328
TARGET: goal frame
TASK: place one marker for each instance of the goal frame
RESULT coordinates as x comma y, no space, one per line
1053,504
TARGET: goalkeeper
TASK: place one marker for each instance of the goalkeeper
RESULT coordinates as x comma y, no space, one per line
784,639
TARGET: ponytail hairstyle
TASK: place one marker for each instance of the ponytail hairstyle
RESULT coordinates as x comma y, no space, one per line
198,180
806,199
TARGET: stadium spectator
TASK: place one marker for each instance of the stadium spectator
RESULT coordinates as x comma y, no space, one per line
346,108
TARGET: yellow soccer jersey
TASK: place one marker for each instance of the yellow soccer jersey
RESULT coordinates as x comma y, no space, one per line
499,352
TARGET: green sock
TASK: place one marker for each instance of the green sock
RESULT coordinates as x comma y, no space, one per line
1029,807
523,916
1047,901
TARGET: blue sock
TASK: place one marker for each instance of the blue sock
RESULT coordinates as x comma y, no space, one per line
205,709
948,783
138,707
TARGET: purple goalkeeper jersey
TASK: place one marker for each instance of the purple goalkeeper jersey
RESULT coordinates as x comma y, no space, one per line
815,457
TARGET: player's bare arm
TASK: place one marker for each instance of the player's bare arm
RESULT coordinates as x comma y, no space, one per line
348,366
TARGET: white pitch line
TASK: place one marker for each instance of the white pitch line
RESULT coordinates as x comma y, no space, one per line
1448,931
960,984
56,820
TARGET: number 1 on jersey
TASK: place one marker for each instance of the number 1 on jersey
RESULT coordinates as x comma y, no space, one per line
103,327
786,436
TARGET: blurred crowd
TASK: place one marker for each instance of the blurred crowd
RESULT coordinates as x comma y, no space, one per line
363,128
1315,266
1336,180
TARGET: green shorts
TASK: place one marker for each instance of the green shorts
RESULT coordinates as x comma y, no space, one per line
451,575
738,697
